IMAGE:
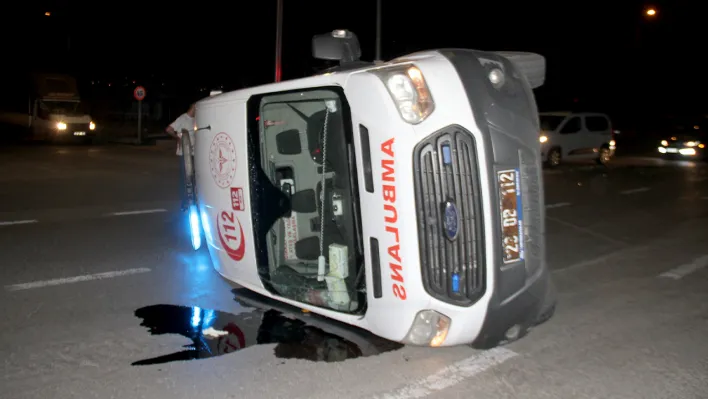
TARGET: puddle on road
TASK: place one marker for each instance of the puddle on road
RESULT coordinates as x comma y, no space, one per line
214,333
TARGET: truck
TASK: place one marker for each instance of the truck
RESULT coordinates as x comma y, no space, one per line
404,198
48,107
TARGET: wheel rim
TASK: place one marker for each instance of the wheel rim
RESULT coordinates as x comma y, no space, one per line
604,155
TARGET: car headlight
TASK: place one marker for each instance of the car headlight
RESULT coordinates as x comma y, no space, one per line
429,329
664,143
497,78
407,87
543,139
92,126
61,126
692,143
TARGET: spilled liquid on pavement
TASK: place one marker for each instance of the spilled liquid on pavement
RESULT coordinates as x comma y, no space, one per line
214,333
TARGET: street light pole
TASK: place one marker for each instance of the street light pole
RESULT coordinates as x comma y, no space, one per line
279,41
648,15
378,30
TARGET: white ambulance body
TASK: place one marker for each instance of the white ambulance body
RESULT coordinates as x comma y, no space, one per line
404,198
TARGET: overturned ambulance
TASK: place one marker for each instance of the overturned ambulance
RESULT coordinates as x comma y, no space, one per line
404,198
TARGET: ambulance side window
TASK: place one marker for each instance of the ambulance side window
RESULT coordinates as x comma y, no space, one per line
571,126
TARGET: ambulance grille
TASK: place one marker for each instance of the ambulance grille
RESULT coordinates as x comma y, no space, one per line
445,171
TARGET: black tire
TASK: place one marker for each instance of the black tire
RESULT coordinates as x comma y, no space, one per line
554,157
605,156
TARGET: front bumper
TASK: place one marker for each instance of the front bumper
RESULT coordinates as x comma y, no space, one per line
67,135
511,318
468,266
683,151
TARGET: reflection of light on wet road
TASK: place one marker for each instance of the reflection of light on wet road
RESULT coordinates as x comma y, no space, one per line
196,316
215,333
195,261
686,164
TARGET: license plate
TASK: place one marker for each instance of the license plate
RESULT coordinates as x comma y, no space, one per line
511,215
79,133
672,150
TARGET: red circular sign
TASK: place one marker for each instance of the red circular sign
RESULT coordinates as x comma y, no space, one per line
139,93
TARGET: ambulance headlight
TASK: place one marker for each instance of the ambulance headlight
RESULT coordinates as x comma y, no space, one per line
409,91
429,329
61,126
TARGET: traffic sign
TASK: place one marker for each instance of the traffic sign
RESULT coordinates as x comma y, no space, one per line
139,93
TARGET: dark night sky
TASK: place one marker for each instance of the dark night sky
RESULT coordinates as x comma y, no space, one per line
603,53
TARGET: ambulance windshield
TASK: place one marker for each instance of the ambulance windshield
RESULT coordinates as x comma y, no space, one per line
307,221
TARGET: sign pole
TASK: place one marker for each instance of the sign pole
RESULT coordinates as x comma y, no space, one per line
278,40
139,94
378,30
140,121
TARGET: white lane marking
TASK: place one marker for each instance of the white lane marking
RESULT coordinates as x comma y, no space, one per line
452,374
589,232
142,212
584,263
686,269
599,259
634,191
77,279
14,222
558,205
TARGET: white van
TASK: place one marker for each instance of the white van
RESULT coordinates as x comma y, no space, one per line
51,109
579,136
404,198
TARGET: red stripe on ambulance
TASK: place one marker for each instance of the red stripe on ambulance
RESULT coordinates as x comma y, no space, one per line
388,175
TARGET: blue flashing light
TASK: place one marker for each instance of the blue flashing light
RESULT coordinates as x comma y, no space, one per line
194,228
455,282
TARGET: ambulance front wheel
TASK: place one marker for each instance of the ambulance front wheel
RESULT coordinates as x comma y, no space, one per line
194,219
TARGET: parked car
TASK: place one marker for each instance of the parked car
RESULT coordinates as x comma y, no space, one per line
684,139
579,136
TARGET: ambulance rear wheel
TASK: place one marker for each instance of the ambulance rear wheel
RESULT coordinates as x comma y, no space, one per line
190,178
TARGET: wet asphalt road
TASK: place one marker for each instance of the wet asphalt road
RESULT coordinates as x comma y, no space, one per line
622,330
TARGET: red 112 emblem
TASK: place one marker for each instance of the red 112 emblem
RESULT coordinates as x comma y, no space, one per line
231,235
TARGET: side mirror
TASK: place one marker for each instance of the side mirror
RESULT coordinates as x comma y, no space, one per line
339,45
